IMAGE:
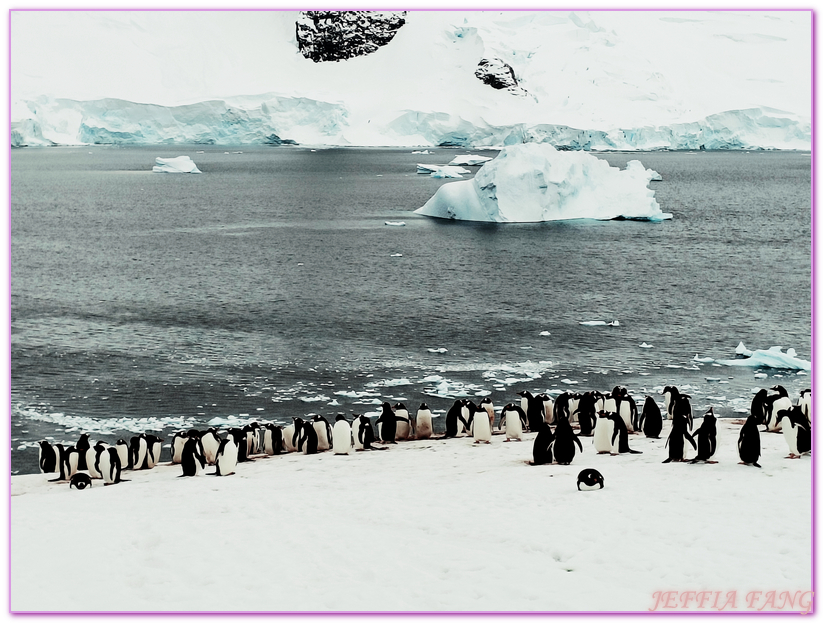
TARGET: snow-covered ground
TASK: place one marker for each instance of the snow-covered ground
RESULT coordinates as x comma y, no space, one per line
436,525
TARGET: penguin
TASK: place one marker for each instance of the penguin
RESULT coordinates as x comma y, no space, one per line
533,407
683,408
548,408
226,460
651,421
363,433
758,407
155,447
139,451
466,406
805,403
677,439
125,454
621,435
404,424
574,402
515,420
748,444
91,458
795,432
564,440
341,436
542,447
72,459
323,430
107,464
291,433
192,459
210,440
672,397
488,406
258,437
590,480
604,435
454,416
47,458
272,439
387,424
479,425
239,439
249,434
586,414
423,425
706,438
308,440
82,446
80,481
775,404
627,408
561,406
177,443
61,463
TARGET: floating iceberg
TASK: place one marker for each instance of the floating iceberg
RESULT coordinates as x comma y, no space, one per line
469,160
181,164
440,171
532,183
396,223
772,358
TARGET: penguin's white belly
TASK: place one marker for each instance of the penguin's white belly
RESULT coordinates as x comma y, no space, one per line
790,435
481,429
548,411
778,406
573,404
322,436
341,437
626,414
403,427
105,467
603,431
210,447
424,425
288,435
514,427
227,461
123,453
805,404
91,457
667,399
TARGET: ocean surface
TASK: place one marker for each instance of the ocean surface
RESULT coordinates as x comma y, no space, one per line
270,286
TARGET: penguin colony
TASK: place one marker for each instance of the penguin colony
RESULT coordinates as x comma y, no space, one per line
609,418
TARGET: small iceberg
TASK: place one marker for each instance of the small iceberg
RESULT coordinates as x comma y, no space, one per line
469,160
593,323
614,323
396,223
425,152
771,358
545,333
180,164
437,350
396,255
441,171
644,345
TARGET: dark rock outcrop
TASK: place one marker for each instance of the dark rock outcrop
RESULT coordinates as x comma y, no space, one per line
499,75
338,35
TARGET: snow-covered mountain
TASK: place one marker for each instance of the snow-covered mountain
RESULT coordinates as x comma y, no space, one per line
579,80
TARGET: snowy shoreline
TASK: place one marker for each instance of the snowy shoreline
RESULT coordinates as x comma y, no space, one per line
434,525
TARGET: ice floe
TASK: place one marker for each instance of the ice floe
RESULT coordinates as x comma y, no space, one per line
774,357
644,345
180,164
396,223
469,160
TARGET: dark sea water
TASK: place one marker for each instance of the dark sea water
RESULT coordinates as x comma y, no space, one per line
270,287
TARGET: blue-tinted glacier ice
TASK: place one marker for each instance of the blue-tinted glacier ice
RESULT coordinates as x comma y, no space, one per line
532,183
180,164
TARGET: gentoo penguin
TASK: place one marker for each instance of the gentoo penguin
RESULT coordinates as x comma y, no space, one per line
47,458
590,480
107,463
308,440
226,460
72,459
210,440
341,436
586,414
323,430
542,447
672,398
82,446
192,459
564,440
627,408
291,433
488,406
454,417
574,402
775,404
126,458
363,432
177,443
272,439
155,447
479,425
805,403
387,424
621,435
548,408
258,437
758,408
676,442
238,435
795,432
404,424
651,421
533,407
80,481
604,435
91,458
423,424
139,451
706,438
249,430
515,420
561,406
62,464
748,444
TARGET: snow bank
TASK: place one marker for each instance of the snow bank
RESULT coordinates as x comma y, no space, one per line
180,164
533,183
421,526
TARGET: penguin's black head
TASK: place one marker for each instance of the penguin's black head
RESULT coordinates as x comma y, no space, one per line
423,407
45,444
340,417
399,405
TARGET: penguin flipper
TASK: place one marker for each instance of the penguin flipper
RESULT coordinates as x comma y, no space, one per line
691,439
668,460
577,441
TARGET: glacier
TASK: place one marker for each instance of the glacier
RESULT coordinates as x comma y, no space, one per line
533,183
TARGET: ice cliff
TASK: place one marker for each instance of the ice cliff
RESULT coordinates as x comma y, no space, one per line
534,183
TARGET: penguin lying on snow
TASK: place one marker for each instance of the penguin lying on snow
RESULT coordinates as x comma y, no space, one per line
80,481
590,480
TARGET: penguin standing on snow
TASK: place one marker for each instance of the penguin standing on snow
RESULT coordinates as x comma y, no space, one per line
83,447
748,444
364,433
479,425
542,447
758,407
706,438
91,458
805,404
604,435
775,404
177,443
548,408
404,423
139,450
564,440
192,459
47,458
124,453
272,439
533,407
61,463
387,424
651,421
795,432
586,414
239,439
341,436
323,430
423,425
454,416
488,406
308,440
210,440
107,464
226,460
676,442
621,435
561,406
515,420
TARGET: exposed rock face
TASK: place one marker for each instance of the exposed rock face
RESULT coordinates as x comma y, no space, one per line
338,35
499,75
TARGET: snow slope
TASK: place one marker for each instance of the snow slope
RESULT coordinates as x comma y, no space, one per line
594,80
425,525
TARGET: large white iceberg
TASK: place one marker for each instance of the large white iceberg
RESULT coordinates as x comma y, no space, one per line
180,164
532,183
772,358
